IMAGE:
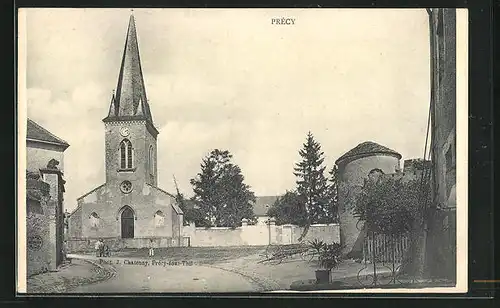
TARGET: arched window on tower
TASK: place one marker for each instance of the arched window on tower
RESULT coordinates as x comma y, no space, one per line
375,174
159,219
94,220
126,154
151,160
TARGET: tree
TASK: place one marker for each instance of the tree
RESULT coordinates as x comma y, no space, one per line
391,206
191,213
332,213
312,185
194,215
395,207
220,193
204,186
288,209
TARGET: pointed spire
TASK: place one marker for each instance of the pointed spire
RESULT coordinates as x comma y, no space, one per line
139,107
112,106
130,99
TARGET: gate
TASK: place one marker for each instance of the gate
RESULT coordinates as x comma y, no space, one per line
385,249
385,257
286,235
393,255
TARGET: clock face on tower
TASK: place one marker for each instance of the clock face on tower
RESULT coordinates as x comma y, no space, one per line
124,131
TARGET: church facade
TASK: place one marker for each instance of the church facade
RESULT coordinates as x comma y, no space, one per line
128,208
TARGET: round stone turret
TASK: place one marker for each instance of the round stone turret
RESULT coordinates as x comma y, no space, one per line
353,168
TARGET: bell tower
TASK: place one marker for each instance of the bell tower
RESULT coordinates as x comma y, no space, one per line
130,135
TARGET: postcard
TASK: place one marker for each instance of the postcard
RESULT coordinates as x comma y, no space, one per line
252,150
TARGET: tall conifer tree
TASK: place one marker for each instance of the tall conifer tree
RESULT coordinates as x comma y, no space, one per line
312,185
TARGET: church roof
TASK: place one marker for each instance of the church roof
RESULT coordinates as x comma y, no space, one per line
367,147
176,207
38,133
130,101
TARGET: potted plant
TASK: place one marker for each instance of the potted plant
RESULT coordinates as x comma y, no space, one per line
315,247
329,258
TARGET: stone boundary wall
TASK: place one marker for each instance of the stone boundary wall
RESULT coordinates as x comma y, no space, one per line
259,235
38,244
40,236
253,235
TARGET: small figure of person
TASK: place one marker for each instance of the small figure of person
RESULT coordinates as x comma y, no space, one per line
107,253
151,248
65,251
97,248
101,248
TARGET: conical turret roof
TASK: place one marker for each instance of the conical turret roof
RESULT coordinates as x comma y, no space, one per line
367,148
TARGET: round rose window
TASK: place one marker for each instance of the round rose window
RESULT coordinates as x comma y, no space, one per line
35,242
126,187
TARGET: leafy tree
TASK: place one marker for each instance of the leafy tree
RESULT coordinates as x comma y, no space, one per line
312,185
220,193
191,213
392,205
288,209
396,206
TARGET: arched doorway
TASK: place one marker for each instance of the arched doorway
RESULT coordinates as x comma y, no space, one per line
127,222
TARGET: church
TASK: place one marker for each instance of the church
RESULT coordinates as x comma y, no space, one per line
128,210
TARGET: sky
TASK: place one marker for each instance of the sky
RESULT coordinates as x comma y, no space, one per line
230,79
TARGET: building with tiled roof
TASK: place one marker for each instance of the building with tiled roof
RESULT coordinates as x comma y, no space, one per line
42,146
367,148
261,205
44,198
36,133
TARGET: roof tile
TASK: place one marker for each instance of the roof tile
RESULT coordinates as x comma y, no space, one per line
262,204
36,132
367,147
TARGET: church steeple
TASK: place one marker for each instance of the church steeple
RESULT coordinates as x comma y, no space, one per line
130,100
112,107
130,136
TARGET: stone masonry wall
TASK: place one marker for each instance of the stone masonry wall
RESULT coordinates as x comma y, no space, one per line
352,176
39,154
39,256
141,139
253,235
75,224
258,235
107,201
